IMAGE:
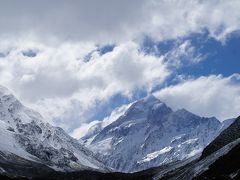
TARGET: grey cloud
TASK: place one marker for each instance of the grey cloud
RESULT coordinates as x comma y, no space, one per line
82,20
115,21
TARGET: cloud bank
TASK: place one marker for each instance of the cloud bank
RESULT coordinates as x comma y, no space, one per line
213,95
59,82
117,21
44,45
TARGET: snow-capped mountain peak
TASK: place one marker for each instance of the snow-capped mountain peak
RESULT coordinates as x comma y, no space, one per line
147,108
150,99
149,134
146,103
26,135
4,91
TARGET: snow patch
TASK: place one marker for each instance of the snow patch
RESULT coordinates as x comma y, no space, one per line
103,146
194,152
155,154
9,145
190,141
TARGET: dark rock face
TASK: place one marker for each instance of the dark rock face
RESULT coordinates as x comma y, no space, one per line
226,167
227,136
220,159
29,128
93,175
15,166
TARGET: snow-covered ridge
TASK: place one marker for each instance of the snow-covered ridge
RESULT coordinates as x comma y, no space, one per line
150,134
198,167
4,91
24,133
138,136
94,127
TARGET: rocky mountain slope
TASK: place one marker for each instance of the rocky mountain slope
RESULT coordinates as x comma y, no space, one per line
147,136
150,134
224,163
25,137
220,159
227,136
227,166
196,168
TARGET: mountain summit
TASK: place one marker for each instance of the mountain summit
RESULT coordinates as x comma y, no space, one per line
25,137
150,134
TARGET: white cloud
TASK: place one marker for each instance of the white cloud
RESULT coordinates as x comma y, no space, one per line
60,84
84,129
183,54
94,126
171,19
117,21
207,96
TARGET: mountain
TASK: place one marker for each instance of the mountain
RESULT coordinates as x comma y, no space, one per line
223,163
94,127
226,123
226,166
146,135
227,136
151,134
26,139
219,160
229,164
211,167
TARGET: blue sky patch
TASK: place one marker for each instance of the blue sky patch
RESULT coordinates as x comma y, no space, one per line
29,53
219,58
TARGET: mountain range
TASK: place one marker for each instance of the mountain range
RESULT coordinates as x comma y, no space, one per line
151,134
26,137
147,140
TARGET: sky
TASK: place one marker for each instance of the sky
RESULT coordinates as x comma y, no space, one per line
79,62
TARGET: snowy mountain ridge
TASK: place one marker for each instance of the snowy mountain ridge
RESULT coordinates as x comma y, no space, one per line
219,159
151,134
23,133
138,136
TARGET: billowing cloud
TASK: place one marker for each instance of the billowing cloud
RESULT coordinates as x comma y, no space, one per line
183,54
214,95
116,21
44,45
96,126
58,82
